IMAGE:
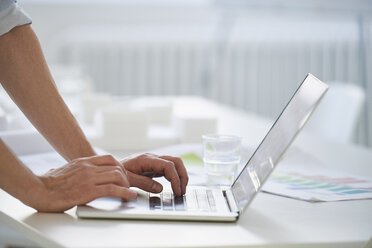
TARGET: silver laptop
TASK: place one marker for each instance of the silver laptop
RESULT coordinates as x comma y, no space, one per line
203,203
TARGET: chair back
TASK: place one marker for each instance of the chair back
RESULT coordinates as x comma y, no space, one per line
339,112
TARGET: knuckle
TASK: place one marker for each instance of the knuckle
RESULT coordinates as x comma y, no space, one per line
118,175
119,168
84,167
110,157
178,160
110,189
143,156
171,170
148,155
171,164
86,170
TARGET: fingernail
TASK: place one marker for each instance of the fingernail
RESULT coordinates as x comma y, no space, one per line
156,187
134,193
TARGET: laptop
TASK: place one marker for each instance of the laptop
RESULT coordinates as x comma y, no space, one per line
223,204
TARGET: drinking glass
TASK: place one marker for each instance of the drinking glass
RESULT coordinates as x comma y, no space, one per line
221,156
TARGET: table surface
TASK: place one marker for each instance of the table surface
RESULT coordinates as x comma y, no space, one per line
270,221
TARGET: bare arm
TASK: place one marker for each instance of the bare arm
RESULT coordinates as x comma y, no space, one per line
16,179
25,76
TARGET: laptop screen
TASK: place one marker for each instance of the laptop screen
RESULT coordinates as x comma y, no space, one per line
277,140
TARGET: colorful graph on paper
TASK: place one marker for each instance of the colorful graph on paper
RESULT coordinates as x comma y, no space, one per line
328,186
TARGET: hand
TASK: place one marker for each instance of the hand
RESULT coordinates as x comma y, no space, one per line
142,168
83,180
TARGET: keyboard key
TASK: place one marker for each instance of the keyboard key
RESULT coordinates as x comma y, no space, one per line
194,200
211,201
167,201
155,202
191,201
179,203
202,200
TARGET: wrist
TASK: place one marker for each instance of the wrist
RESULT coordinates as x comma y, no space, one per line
80,151
41,195
35,194
47,197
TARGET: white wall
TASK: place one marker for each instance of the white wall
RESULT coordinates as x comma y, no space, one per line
280,42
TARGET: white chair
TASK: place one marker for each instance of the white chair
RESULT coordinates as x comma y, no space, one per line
338,113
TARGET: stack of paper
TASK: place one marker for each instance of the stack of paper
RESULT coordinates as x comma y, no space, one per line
302,176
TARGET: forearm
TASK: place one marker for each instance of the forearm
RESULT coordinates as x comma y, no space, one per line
18,180
25,76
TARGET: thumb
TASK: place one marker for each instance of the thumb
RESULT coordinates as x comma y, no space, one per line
144,183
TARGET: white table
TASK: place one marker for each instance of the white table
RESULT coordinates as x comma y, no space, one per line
271,221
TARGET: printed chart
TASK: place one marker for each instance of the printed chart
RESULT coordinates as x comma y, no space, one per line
319,187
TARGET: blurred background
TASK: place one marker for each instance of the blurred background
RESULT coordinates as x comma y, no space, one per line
249,54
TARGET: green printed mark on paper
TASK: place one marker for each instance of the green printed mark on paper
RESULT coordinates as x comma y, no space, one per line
192,160
341,189
327,186
312,183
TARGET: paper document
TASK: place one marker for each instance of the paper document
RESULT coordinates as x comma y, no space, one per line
318,186
302,176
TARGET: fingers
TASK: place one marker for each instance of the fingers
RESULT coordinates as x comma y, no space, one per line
83,180
168,169
149,163
114,191
104,160
110,170
144,183
111,176
107,170
181,170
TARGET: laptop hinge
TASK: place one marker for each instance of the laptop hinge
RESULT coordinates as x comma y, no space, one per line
231,200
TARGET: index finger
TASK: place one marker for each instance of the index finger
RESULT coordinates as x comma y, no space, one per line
165,167
181,170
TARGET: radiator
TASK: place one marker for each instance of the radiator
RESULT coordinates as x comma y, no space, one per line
255,76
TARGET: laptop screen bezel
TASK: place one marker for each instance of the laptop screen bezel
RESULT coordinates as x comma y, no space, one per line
308,77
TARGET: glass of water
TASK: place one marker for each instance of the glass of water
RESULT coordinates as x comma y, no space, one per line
221,155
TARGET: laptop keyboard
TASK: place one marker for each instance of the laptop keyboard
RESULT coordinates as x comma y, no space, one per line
193,200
